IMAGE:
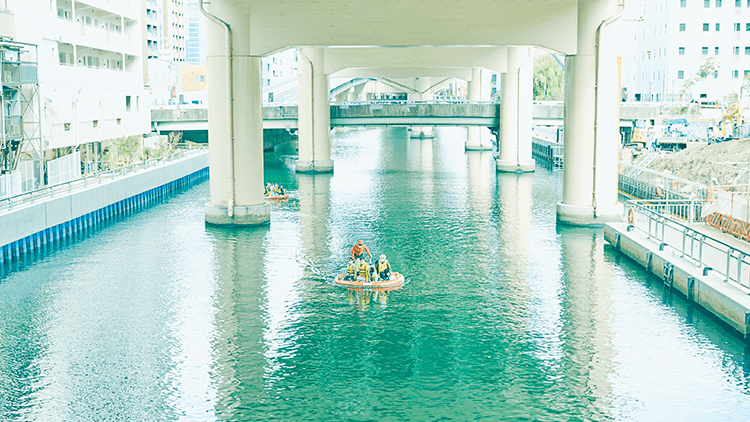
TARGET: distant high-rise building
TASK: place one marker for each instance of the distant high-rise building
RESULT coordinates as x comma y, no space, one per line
196,34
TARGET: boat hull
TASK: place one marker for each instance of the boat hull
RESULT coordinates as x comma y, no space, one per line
396,280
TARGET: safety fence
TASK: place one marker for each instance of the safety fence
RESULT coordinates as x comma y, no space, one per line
644,183
663,221
9,203
64,169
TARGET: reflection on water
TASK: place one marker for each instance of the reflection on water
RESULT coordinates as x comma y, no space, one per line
504,316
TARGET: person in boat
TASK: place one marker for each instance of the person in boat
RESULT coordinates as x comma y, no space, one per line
359,249
383,268
363,271
351,270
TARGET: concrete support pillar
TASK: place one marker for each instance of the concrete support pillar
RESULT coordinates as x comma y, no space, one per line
352,95
314,113
422,86
477,137
591,122
515,113
235,138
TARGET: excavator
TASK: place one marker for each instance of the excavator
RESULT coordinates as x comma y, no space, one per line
728,128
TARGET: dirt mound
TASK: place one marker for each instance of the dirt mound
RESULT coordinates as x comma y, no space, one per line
695,163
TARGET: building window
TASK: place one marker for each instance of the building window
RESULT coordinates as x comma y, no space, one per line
681,51
95,123
119,121
706,3
66,126
746,74
747,51
716,74
683,3
736,51
127,102
705,27
717,27
737,3
200,78
682,27
735,74
704,51
747,27
716,51
718,3
680,74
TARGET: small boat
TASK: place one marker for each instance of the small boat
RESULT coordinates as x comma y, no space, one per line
277,197
396,280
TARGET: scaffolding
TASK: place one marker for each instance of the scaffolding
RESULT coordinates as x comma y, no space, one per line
20,113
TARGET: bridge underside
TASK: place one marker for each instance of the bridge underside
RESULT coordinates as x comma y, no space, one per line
480,35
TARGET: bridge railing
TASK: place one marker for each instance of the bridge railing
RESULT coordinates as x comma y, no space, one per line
48,192
669,223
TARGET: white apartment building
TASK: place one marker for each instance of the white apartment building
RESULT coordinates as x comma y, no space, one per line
90,66
674,37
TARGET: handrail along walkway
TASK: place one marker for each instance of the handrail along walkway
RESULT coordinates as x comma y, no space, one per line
7,204
658,221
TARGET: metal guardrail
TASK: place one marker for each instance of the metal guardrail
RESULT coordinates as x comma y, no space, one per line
48,192
658,220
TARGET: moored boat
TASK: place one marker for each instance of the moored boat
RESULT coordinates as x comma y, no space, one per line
277,197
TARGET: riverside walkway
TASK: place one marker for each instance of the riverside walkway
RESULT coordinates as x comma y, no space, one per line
709,267
45,217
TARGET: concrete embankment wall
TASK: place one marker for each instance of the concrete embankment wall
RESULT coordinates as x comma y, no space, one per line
35,225
727,301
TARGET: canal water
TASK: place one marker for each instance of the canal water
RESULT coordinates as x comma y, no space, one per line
505,315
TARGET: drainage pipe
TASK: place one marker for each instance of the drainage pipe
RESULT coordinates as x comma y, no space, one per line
230,89
312,108
602,25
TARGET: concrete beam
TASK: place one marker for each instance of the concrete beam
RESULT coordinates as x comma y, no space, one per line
388,23
494,58
393,72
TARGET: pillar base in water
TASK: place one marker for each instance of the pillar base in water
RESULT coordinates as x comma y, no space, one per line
244,215
576,215
314,166
504,166
422,132
478,147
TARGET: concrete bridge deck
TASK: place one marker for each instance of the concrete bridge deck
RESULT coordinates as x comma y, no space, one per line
460,113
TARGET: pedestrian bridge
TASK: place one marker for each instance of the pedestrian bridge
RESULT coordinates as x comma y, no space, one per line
393,113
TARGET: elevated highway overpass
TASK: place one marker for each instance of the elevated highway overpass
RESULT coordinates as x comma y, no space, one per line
408,39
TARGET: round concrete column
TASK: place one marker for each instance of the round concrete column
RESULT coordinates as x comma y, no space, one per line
591,123
422,85
314,113
515,113
236,165
478,137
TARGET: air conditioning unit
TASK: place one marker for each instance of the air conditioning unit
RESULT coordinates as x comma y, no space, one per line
14,130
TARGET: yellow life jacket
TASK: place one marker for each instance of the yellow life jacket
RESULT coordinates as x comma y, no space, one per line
364,271
381,266
350,269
